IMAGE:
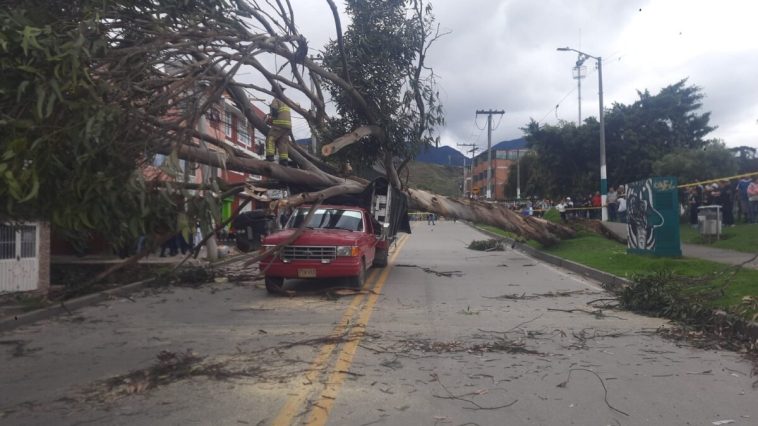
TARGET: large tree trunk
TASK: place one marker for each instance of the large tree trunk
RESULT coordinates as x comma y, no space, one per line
547,233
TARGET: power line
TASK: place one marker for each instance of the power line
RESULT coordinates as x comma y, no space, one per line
556,105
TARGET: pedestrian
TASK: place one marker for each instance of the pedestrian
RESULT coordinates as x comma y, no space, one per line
432,217
561,207
597,204
612,205
742,199
281,125
171,246
752,193
621,208
183,239
726,201
693,201
569,206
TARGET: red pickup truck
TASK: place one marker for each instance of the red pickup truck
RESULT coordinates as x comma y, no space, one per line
341,239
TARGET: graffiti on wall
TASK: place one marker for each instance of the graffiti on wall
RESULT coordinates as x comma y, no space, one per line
643,218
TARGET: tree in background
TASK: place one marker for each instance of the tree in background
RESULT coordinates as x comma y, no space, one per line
637,136
747,158
655,125
691,165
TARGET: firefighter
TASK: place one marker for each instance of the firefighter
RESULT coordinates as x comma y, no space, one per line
281,126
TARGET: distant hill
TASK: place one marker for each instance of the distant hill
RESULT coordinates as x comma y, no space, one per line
444,156
440,179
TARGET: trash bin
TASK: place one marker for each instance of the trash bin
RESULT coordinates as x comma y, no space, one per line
709,221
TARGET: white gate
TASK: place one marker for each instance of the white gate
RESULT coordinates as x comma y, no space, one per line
19,257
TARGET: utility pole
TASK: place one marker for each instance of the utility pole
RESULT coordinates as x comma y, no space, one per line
473,151
603,171
489,114
518,174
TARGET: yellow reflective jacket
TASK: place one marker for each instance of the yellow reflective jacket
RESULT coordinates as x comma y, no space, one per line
280,114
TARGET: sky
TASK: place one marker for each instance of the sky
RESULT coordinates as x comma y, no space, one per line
501,54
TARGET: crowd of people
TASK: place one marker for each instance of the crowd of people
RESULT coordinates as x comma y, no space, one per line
737,199
588,207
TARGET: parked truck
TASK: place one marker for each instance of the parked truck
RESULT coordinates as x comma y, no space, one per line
343,238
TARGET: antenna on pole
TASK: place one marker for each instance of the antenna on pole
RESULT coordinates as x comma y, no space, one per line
473,150
580,72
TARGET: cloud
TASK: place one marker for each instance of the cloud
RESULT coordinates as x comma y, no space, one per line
501,55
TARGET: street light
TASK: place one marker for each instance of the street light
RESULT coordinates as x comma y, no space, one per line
603,174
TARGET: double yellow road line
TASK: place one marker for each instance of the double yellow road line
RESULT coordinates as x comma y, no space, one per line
335,358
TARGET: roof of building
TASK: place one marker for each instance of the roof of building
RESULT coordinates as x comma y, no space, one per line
512,144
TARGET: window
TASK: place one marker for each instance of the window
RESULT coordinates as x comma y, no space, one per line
28,241
228,123
13,238
191,167
159,160
328,219
214,117
242,134
7,242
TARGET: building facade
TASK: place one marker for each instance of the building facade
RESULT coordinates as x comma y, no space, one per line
505,155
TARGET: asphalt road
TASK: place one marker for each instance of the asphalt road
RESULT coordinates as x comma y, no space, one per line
444,335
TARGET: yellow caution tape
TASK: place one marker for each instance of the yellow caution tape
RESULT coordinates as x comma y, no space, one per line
705,182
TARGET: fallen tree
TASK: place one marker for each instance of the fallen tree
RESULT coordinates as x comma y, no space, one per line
150,73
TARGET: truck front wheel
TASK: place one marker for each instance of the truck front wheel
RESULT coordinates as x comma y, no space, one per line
274,284
380,258
359,280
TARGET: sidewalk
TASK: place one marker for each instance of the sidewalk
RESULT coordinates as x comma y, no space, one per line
729,257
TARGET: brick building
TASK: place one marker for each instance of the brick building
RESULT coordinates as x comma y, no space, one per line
505,155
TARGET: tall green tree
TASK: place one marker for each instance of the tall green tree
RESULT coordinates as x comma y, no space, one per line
653,126
637,136
691,165
384,49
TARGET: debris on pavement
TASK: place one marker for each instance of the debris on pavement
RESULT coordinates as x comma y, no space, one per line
448,274
486,245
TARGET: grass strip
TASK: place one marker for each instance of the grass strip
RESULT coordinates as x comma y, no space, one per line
742,237
728,291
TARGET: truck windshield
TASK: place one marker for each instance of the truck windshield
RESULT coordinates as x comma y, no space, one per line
326,218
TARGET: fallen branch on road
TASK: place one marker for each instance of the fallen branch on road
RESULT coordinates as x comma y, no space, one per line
432,271
461,397
597,313
564,384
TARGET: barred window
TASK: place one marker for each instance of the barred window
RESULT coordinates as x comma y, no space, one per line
242,132
228,123
28,241
7,242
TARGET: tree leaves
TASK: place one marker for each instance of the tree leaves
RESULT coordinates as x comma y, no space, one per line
637,136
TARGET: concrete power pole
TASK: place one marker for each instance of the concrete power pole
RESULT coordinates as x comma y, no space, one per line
489,114
473,150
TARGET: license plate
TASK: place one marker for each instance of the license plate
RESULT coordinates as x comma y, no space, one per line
306,273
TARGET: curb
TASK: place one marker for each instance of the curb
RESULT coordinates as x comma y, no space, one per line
612,282
608,281
70,305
